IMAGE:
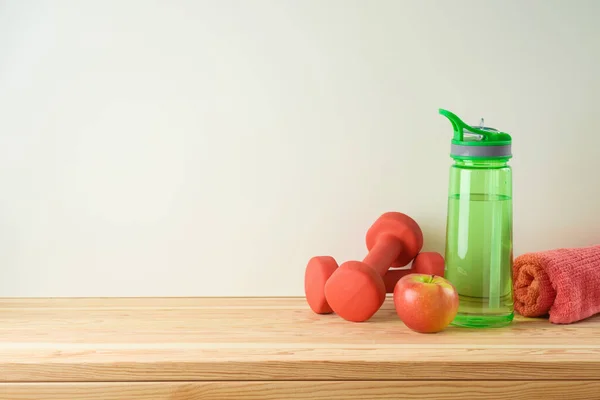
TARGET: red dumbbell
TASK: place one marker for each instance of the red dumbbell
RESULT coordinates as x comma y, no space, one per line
356,290
319,269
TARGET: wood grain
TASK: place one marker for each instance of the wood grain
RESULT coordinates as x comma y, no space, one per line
266,339
434,390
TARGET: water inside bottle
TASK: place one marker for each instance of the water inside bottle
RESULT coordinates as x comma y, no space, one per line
479,258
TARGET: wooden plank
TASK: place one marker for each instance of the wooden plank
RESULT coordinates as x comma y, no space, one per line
285,363
77,340
257,321
152,302
435,390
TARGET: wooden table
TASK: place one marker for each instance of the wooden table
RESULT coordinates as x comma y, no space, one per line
276,348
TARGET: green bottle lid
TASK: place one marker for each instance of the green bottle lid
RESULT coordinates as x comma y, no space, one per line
477,142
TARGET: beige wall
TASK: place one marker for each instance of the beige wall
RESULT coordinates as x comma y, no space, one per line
212,147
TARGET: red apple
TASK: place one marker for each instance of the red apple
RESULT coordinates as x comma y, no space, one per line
425,303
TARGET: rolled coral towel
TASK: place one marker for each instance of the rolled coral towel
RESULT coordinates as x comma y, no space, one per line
561,283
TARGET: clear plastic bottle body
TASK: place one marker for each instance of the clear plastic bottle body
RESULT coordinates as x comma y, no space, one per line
479,250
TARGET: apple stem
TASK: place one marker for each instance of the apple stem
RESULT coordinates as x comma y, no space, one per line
431,279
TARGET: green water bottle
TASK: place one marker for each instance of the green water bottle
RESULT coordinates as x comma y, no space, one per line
479,251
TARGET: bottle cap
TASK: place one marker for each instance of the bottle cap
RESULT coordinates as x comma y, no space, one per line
477,142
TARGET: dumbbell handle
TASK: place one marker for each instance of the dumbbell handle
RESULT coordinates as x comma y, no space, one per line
430,263
393,276
383,254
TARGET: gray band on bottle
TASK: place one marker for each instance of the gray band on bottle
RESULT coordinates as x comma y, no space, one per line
481,151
